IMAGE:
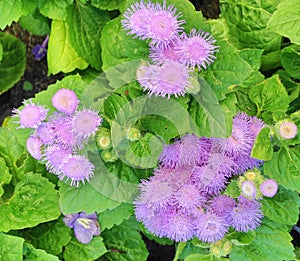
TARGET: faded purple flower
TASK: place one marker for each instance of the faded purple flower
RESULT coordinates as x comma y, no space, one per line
77,168
85,226
248,189
269,188
31,115
197,49
65,101
34,147
288,130
247,215
85,123
40,51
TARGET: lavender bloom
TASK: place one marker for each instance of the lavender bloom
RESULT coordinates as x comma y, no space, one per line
170,155
85,226
247,215
210,227
34,147
40,51
167,53
31,115
248,189
45,133
269,188
222,205
197,49
288,130
77,168
65,101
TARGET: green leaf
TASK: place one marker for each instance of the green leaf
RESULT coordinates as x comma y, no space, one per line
35,23
11,247
119,47
1,52
283,208
240,238
32,254
270,95
263,148
113,104
50,236
78,251
286,20
272,243
34,201
85,23
200,257
125,243
285,168
61,56
223,75
247,22
5,175
71,199
54,9
107,4
116,216
12,65
290,60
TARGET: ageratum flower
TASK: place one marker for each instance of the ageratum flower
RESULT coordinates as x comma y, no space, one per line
248,189
136,17
77,168
210,227
197,49
65,101
288,130
85,226
170,155
269,188
31,115
34,147
247,215
222,205
45,133
164,25
85,123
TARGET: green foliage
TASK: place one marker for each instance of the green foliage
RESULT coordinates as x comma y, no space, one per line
286,20
54,9
263,148
12,64
32,254
107,4
35,23
290,60
11,247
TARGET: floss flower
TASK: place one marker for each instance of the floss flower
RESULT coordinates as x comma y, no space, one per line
288,130
65,100
85,226
269,188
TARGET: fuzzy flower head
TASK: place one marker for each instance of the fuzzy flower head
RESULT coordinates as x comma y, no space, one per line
136,17
170,52
269,188
222,205
85,226
164,25
170,155
197,49
247,215
288,130
77,168
210,227
65,101
248,189
85,123
34,147
170,78
45,133
32,115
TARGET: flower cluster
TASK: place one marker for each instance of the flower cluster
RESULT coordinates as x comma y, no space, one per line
185,196
173,52
57,138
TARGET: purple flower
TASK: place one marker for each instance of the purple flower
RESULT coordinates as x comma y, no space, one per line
34,147
166,53
170,155
65,101
255,123
248,189
210,227
222,205
85,226
163,26
31,115
85,123
288,130
45,132
246,216
77,168
170,78
39,51
136,17
269,188
197,49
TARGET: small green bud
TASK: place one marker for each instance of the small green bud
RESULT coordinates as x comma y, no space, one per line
109,155
133,134
103,138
